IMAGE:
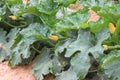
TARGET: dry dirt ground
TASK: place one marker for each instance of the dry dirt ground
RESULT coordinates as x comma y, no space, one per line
23,72
17,73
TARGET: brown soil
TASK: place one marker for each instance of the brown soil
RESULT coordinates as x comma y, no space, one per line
17,73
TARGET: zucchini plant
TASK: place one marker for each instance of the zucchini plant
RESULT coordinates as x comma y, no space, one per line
60,40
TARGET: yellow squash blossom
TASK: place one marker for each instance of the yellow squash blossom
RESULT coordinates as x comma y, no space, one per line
111,28
12,17
53,37
105,47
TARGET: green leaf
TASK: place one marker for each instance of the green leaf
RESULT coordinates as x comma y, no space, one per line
117,9
59,63
49,19
81,47
3,52
100,36
47,10
63,46
65,2
2,9
92,3
34,2
42,64
21,51
73,21
12,2
26,37
111,65
82,43
1,13
52,6
80,64
6,41
67,75
36,29
96,26
102,76
47,7
19,9
108,17
116,34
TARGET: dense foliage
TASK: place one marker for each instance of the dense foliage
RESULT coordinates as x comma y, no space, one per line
62,41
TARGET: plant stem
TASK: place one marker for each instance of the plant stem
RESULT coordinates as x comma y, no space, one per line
93,71
35,49
25,24
114,47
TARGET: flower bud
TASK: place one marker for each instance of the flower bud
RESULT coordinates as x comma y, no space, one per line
105,47
53,37
12,17
111,28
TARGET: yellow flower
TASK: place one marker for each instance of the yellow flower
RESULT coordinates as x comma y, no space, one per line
53,37
111,28
12,17
105,47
